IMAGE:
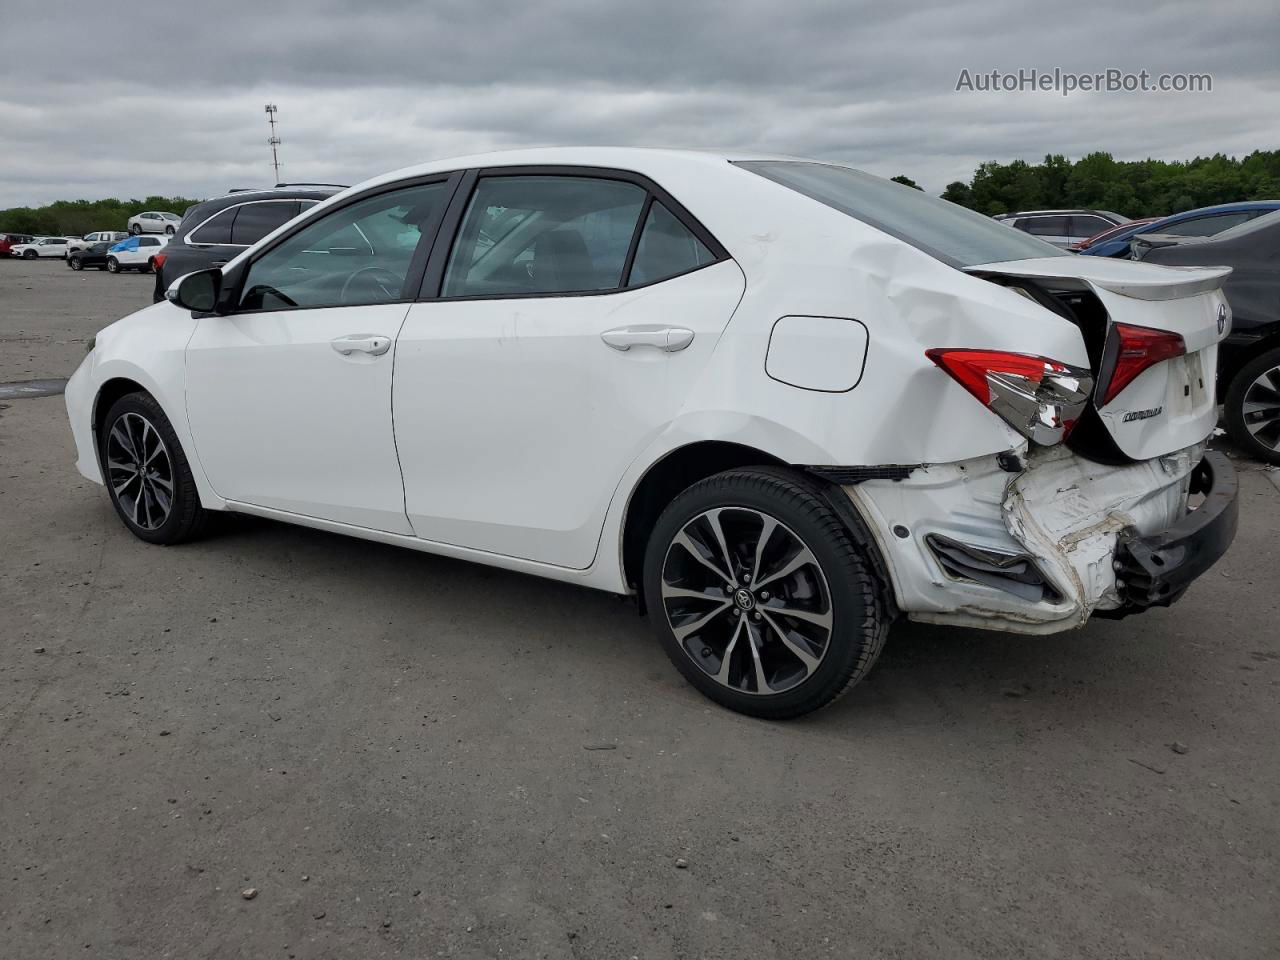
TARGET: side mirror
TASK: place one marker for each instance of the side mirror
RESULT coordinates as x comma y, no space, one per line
197,292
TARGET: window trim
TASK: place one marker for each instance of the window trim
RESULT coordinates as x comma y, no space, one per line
202,244
233,281
433,279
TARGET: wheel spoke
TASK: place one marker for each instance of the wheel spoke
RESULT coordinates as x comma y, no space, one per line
810,662
767,527
121,437
123,485
821,619
713,520
670,592
802,557
693,626
725,661
683,540
762,685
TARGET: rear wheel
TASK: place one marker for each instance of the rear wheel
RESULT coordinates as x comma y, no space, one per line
1252,407
760,595
169,231
147,474
134,229
113,265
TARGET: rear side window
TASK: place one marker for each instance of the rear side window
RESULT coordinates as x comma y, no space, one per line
148,242
543,234
1206,226
217,230
947,231
667,248
1047,226
256,220
1088,226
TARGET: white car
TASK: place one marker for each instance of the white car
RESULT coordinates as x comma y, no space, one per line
135,253
89,239
154,221
783,402
40,247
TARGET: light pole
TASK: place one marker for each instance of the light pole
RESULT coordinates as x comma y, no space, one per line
271,110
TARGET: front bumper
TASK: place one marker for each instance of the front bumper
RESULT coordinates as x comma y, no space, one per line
1155,570
1040,542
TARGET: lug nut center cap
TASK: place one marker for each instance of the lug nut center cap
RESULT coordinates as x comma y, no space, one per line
743,599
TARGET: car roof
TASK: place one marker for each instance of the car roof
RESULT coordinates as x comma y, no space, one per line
214,204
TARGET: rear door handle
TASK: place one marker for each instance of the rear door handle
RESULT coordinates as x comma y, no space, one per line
665,338
370,343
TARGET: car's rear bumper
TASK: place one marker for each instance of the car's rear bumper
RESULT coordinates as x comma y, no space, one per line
1043,540
1155,569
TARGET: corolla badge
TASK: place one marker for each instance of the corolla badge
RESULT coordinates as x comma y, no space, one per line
1222,318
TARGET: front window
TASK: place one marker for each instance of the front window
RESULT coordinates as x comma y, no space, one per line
358,254
947,231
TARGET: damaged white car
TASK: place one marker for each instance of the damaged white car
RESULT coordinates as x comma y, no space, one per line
783,402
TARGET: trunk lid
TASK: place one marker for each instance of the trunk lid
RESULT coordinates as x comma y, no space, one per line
1171,404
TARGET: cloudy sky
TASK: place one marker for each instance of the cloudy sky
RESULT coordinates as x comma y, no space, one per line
103,100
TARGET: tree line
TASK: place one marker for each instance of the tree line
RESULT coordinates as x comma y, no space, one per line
74,218
1135,188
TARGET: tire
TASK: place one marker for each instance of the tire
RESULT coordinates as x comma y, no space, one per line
135,425
134,229
29,254
1257,384
169,231
74,263
836,585
113,265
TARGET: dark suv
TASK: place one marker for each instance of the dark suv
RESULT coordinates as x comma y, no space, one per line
213,232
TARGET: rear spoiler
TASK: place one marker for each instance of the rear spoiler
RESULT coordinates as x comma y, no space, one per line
1141,281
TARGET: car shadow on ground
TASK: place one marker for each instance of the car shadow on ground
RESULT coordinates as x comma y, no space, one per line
927,675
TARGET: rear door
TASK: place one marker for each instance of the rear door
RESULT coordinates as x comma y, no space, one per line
577,310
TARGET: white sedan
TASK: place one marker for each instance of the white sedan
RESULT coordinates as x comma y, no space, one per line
40,247
154,221
135,253
782,402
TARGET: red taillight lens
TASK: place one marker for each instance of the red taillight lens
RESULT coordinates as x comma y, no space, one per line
1134,349
1038,397
971,368
159,259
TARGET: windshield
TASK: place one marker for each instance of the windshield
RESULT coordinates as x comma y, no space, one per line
953,234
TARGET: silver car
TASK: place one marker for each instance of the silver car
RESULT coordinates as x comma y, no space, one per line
1062,228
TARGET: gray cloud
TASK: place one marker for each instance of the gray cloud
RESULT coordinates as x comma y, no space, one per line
170,101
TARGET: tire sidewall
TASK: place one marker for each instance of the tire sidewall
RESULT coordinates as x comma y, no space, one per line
1233,406
844,572
179,519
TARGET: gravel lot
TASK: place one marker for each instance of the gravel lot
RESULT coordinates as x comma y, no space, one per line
408,756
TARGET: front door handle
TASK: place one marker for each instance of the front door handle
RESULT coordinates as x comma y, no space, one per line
669,339
370,343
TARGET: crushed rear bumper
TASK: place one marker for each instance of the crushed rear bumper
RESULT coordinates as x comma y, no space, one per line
1154,570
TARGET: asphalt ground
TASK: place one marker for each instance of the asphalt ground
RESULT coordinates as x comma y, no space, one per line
407,756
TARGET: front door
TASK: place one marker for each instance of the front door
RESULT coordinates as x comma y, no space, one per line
289,396
563,343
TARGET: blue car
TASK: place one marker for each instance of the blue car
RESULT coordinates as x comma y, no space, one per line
1202,222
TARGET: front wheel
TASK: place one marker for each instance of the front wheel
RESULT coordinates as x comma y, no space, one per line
760,595
1251,407
29,254
147,473
74,263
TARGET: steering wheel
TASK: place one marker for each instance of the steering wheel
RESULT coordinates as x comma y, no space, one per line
391,287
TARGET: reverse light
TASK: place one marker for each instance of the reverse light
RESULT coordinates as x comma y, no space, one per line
1040,398
1130,350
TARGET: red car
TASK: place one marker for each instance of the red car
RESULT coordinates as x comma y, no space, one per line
10,240
1099,237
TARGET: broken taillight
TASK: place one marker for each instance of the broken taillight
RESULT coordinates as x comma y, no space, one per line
1040,398
1130,350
